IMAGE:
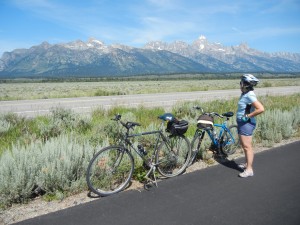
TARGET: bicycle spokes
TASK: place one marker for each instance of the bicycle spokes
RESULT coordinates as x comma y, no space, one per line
109,171
230,141
173,156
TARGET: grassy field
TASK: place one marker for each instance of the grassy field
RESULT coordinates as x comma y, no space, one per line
26,91
52,152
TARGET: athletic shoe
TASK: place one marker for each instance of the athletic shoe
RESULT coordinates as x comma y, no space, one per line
246,173
242,166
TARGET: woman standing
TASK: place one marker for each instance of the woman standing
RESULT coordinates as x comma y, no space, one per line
248,108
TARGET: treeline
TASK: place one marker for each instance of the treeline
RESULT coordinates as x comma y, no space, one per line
153,77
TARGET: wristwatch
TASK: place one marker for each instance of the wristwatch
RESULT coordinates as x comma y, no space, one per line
245,118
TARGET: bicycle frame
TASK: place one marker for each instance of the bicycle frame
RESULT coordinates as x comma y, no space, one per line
216,141
160,136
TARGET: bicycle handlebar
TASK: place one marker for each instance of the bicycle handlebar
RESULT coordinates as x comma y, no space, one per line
128,124
198,108
117,117
227,114
211,113
216,114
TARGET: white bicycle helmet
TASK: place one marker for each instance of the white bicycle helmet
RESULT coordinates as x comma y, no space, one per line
248,80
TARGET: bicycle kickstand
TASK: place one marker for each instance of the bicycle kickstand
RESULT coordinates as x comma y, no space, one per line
148,179
219,154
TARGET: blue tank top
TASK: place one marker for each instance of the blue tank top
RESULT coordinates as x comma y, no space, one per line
246,99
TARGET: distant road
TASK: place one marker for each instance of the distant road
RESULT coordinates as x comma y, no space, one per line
31,108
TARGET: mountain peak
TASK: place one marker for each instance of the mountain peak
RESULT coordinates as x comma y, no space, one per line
80,45
244,46
92,42
202,37
45,45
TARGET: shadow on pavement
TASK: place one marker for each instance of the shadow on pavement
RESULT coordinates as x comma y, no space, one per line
228,163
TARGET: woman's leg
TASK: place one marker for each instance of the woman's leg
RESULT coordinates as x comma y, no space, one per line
246,142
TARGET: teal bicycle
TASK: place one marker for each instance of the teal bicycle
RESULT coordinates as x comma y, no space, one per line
221,139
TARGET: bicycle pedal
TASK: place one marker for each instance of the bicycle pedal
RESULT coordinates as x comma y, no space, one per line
147,186
150,183
220,156
146,166
150,180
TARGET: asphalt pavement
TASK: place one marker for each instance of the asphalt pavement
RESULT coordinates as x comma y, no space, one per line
215,195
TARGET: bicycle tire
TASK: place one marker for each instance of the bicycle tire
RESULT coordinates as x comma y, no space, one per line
228,147
172,158
110,170
196,145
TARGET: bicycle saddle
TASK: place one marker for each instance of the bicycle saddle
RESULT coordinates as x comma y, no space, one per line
228,114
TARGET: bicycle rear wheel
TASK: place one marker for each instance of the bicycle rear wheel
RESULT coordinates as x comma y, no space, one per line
173,157
110,170
198,145
230,141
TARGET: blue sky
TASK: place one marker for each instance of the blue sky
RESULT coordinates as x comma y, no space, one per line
266,25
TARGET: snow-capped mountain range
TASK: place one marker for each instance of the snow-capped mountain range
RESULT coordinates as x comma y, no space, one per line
94,58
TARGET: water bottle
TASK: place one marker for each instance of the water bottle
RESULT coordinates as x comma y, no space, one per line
142,149
215,135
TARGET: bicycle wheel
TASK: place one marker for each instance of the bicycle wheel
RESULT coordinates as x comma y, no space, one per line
110,170
196,146
230,141
173,157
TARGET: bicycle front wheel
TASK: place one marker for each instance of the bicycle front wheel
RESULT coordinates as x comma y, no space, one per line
172,157
110,170
230,141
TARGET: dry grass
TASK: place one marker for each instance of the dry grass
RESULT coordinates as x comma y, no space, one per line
26,91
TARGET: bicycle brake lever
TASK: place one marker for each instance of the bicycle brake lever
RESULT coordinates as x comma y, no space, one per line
117,117
198,108
221,116
217,114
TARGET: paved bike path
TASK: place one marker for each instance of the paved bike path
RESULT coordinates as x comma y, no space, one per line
215,195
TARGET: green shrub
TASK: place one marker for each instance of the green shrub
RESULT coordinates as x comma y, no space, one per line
276,125
63,121
266,84
56,166
4,125
13,128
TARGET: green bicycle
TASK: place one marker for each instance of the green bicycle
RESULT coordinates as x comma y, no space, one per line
111,168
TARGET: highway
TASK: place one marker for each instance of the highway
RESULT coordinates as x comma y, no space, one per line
31,108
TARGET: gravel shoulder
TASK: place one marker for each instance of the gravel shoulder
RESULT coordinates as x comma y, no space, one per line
39,207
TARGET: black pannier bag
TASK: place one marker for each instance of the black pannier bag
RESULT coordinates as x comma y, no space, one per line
177,127
205,121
